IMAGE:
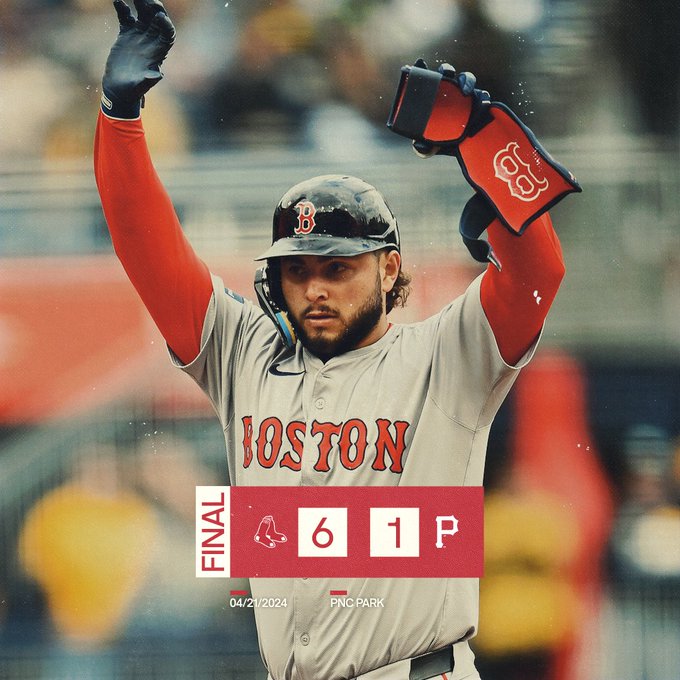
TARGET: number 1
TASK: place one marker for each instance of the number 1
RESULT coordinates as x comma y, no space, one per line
397,528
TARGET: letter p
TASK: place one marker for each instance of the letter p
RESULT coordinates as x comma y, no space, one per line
447,525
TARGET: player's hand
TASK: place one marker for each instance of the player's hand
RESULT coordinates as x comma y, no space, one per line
466,81
134,63
437,109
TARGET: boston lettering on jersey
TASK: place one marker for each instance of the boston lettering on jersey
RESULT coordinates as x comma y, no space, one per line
351,443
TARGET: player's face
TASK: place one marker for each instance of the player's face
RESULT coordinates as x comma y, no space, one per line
338,303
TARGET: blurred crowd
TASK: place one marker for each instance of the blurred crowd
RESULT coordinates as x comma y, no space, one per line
582,546
103,580
299,72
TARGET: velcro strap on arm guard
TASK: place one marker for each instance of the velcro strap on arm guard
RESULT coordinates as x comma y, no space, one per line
429,106
504,161
477,215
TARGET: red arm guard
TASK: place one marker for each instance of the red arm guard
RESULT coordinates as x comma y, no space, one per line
516,300
172,281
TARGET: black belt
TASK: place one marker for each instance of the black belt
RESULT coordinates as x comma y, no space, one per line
432,665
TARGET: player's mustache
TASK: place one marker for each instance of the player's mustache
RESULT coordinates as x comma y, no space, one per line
319,309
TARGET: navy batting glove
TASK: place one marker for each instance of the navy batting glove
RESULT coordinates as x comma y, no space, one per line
134,63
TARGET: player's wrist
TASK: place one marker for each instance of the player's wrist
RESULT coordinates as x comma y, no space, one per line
115,107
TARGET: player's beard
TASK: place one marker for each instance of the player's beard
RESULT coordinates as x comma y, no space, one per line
356,328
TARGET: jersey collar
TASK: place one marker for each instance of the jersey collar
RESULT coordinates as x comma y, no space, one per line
313,362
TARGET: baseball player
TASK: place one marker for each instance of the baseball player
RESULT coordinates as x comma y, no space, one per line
316,386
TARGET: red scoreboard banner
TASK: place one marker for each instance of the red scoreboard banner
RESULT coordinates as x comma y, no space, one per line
352,532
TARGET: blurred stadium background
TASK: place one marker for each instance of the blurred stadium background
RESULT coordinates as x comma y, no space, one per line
101,442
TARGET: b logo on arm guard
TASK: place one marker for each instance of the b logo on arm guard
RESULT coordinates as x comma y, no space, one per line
522,182
507,164
498,154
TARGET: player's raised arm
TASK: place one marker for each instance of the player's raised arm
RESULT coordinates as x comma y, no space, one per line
172,281
515,180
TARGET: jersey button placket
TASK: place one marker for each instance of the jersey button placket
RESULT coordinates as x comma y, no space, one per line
306,598
313,409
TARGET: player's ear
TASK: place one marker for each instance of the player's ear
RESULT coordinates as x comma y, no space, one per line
390,263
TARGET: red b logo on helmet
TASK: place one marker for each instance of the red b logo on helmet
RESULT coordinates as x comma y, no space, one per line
518,174
306,212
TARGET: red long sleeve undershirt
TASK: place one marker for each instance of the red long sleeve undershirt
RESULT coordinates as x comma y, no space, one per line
174,283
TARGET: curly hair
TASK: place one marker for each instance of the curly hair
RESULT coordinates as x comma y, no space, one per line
400,291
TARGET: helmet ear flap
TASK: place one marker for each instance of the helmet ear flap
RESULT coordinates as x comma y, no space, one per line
274,279
270,297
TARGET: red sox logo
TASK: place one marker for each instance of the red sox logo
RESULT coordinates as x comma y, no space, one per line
518,174
306,212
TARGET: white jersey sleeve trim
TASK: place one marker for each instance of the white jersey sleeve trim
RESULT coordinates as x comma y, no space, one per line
208,324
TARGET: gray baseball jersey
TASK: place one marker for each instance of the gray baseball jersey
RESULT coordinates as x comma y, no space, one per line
412,409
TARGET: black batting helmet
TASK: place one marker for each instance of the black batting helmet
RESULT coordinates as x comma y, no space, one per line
333,216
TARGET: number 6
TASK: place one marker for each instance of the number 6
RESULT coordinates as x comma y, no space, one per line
320,529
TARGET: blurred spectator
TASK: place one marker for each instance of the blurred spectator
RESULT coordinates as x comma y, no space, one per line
479,44
556,467
89,544
398,31
268,87
35,89
174,602
645,40
208,38
112,549
649,515
528,606
298,77
347,120
275,72
645,560
70,134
